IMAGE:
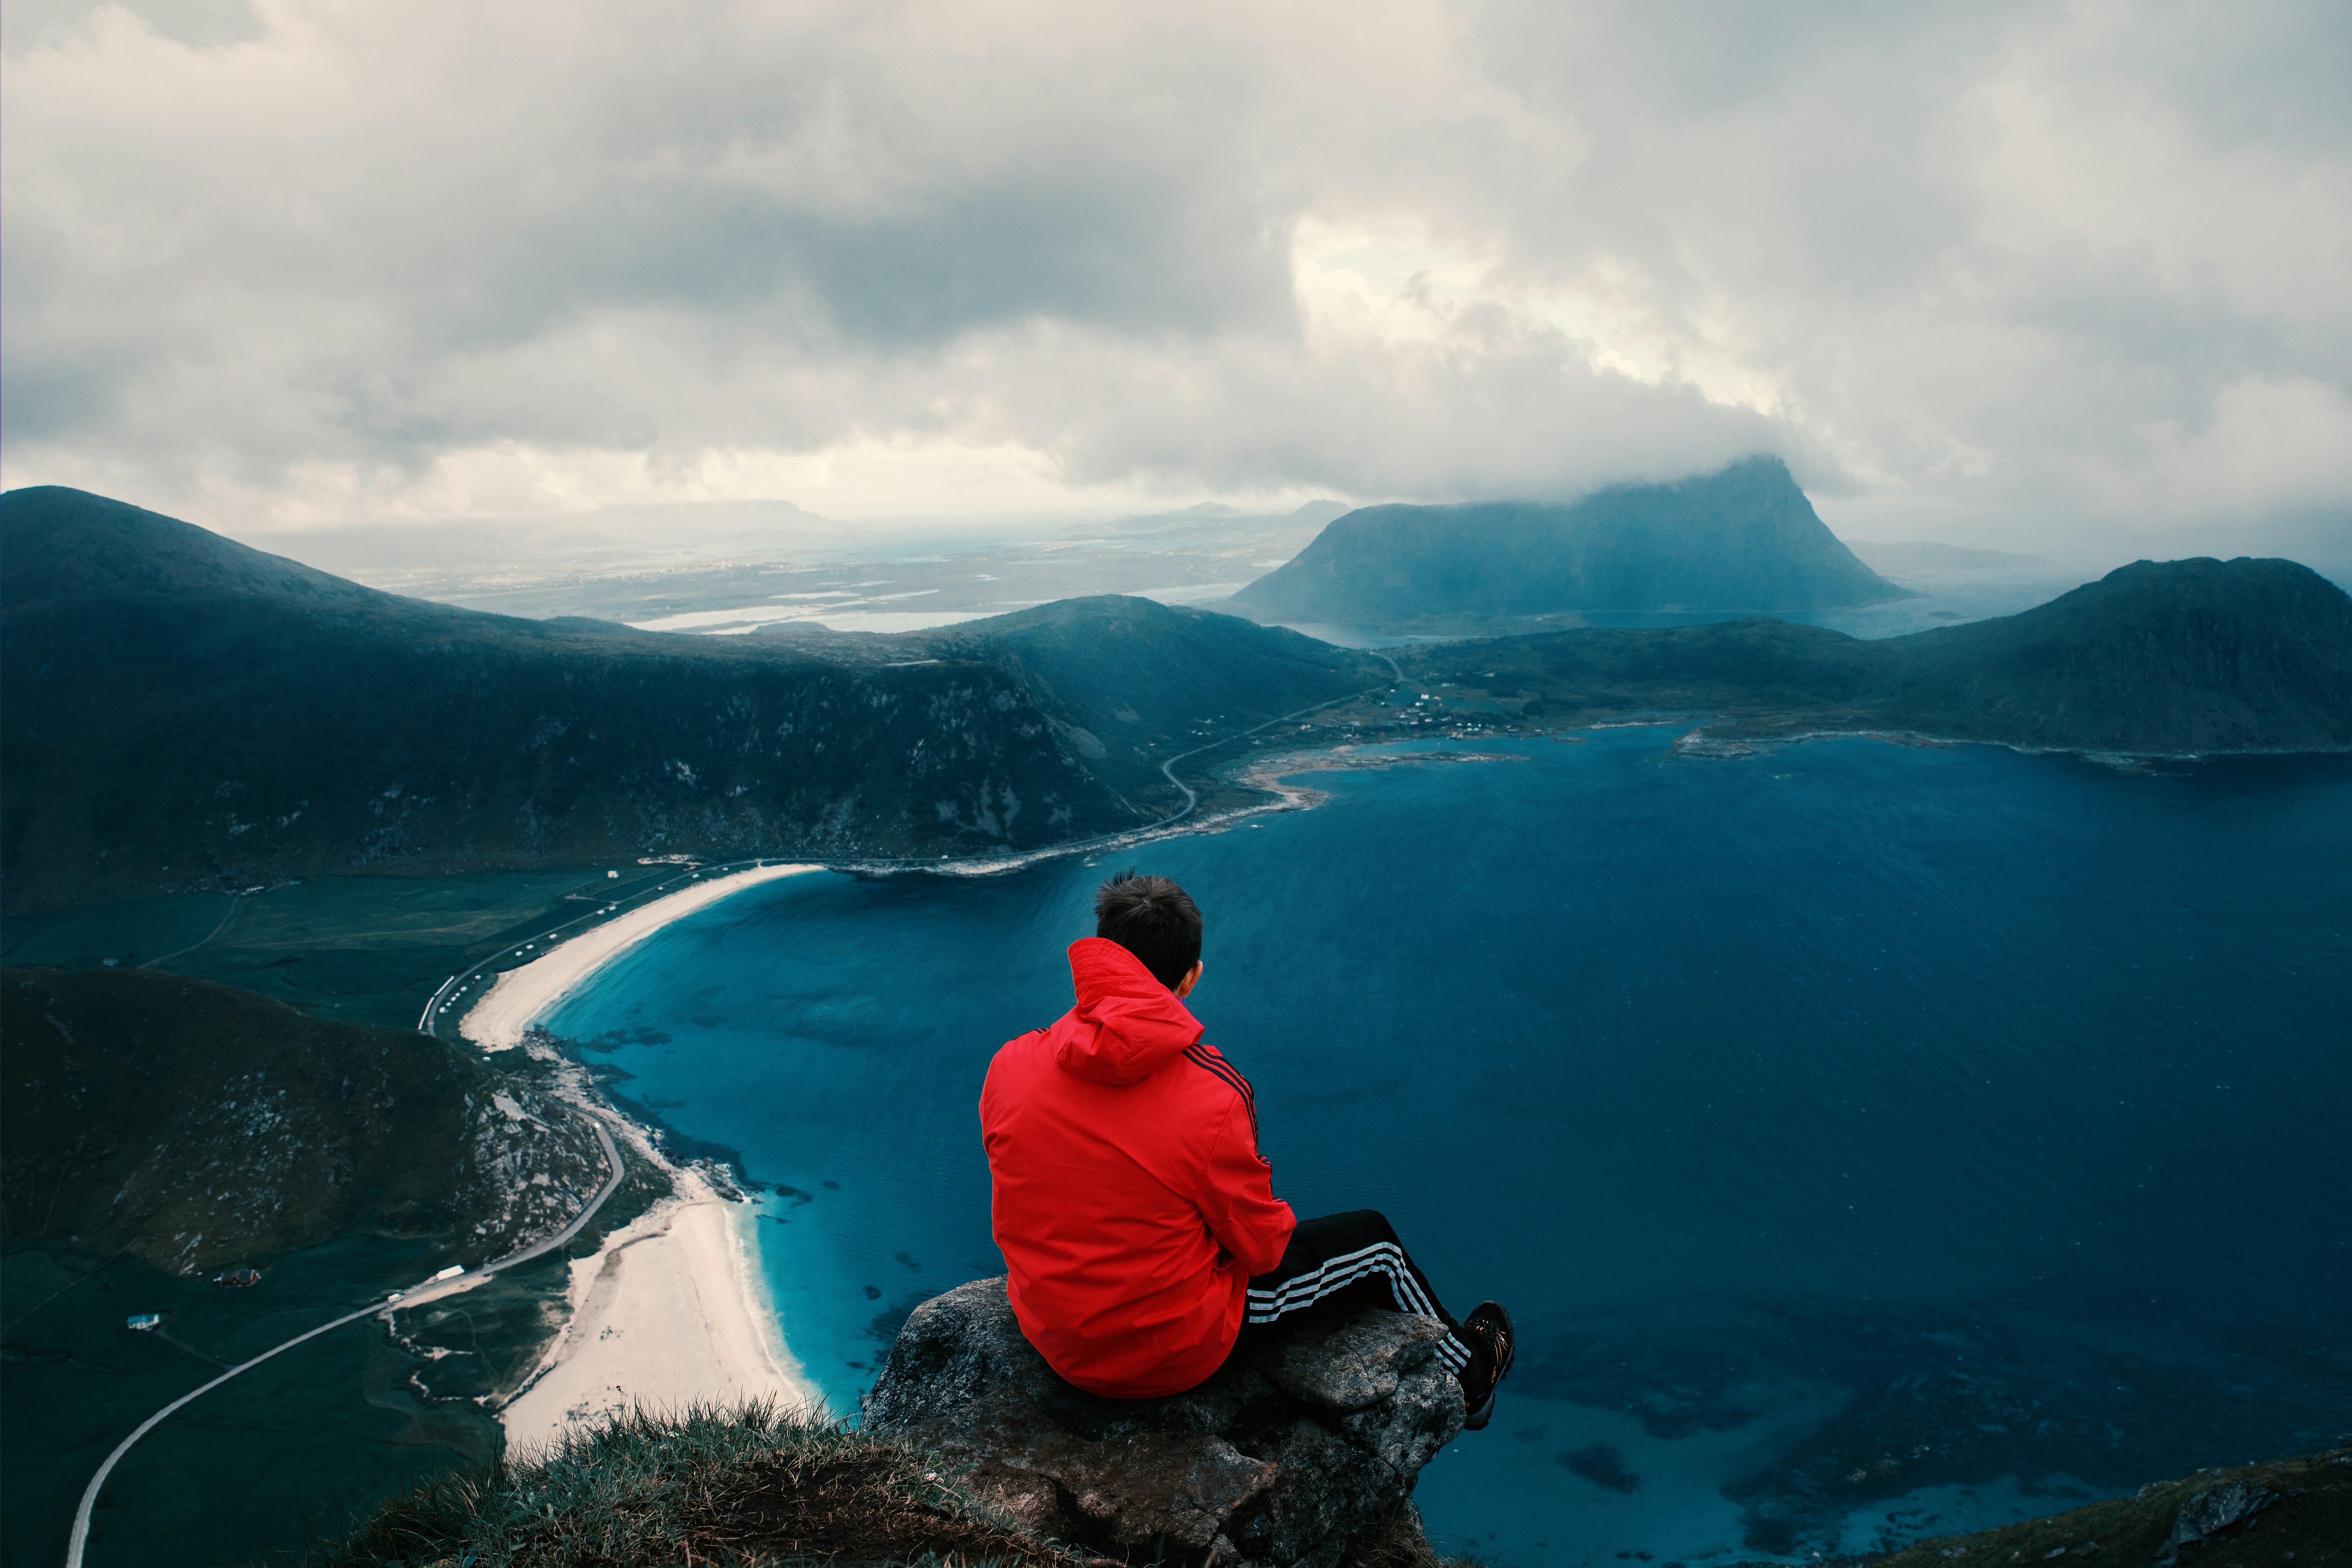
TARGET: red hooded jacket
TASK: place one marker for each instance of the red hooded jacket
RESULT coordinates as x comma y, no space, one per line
1129,1197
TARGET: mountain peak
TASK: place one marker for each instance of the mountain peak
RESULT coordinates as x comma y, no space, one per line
1743,538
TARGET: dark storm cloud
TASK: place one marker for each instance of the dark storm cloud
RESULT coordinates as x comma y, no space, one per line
1970,268
1096,246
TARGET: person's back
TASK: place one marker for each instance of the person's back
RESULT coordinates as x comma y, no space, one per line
1128,1179
1142,1241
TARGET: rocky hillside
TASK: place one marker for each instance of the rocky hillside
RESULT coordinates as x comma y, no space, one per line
2183,655
1742,539
200,1127
2287,1513
180,711
1134,682
2157,657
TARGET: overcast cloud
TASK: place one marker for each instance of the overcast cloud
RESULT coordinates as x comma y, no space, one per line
2054,275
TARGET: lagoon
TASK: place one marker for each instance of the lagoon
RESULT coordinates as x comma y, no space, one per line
1873,1142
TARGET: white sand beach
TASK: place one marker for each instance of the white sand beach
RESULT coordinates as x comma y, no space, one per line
521,995
669,1312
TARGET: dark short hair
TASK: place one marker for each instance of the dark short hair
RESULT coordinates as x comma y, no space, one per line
1152,918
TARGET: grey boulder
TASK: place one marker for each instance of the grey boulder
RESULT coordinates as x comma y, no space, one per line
2208,1514
1294,1459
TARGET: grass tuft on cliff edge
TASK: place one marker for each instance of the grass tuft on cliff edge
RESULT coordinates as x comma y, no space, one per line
755,1485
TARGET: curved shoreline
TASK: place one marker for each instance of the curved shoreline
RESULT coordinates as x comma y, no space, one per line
669,1312
674,1308
522,995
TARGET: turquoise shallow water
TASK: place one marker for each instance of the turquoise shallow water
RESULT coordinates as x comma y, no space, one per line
1872,1141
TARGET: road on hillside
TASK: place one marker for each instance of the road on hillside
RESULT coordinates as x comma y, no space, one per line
451,989
431,1291
1190,799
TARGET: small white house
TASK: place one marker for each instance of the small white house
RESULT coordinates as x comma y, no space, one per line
143,1321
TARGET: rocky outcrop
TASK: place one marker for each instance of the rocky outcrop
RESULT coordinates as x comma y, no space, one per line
1295,1458
2210,1514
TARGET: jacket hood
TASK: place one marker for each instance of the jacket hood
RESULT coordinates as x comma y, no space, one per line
1127,1025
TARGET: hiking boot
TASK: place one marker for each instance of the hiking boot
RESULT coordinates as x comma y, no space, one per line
1488,1330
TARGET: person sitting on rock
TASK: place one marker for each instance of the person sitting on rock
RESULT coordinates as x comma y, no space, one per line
1143,1244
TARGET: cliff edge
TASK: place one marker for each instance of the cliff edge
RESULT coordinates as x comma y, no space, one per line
1301,1456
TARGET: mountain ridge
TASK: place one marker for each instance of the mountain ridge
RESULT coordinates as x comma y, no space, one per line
2157,657
183,710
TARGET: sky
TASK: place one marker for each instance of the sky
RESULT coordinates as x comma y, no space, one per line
2066,277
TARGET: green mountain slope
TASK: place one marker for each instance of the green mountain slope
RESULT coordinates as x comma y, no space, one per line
2184,655
182,711
155,1130
1744,539
1145,680
198,1126
2156,657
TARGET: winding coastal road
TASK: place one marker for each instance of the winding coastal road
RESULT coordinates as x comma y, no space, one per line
1190,799
431,1291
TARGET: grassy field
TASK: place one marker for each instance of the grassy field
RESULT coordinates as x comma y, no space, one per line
290,1453
286,1453
748,1487
703,1486
361,949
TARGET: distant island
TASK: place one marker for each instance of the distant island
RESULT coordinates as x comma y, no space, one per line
1743,539
1922,556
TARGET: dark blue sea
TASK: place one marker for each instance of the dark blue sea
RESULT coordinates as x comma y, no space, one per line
1873,1142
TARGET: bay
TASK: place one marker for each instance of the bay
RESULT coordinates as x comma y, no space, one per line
1872,1141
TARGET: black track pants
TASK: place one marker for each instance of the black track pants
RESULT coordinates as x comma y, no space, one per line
1349,1261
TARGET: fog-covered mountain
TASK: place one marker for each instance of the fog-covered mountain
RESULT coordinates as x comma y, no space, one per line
1745,539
